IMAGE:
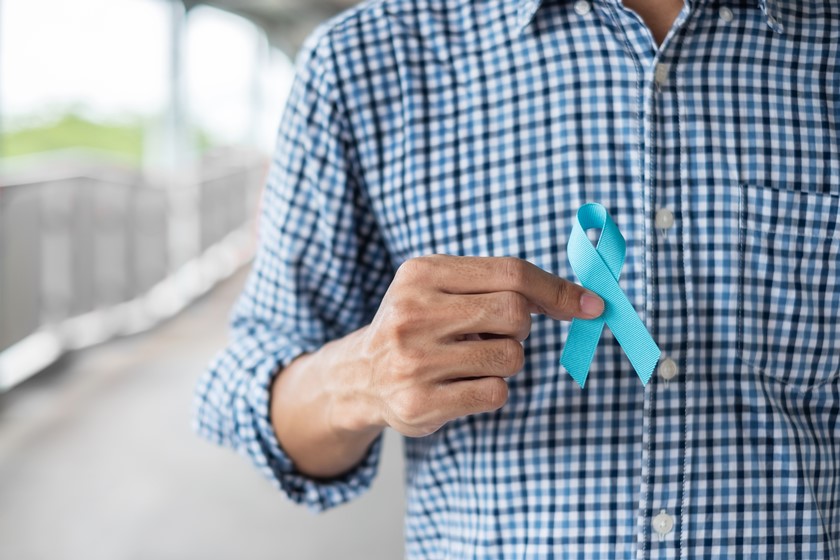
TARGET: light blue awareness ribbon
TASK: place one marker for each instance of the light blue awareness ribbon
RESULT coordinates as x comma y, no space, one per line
598,268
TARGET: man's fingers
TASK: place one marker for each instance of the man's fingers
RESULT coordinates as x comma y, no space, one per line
501,313
470,396
550,295
554,296
497,357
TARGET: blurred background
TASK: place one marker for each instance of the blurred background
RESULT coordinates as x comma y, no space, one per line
135,137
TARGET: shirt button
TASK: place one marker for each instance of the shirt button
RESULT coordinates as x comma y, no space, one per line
667,369
664,219
726,14
663,524
660,74
582,7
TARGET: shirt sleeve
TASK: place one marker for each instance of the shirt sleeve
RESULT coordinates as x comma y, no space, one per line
320,272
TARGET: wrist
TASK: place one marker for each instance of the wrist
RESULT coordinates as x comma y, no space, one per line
353,408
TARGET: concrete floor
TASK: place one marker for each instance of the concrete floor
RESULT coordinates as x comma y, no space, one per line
98,461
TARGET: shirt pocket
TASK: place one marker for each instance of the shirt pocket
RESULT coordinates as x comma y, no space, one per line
789,292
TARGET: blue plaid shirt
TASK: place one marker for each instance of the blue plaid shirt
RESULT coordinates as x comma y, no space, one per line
478,127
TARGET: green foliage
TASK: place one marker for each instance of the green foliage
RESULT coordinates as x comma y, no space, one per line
124,140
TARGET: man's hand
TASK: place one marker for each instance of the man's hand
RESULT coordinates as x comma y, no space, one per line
448,332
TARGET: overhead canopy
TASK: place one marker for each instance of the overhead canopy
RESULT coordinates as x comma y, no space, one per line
285,22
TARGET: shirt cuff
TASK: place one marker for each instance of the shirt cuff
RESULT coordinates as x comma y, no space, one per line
266,452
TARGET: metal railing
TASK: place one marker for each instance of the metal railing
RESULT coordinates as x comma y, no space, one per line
86,251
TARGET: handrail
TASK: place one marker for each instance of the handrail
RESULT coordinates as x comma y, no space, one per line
87,256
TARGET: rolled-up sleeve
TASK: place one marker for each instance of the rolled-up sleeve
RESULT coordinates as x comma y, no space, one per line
320,271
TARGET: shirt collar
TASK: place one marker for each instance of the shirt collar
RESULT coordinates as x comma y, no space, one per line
526,10
471,25
454,27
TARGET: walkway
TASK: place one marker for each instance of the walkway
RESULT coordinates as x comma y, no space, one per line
97,461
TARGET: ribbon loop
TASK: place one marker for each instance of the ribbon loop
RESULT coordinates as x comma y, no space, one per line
598,269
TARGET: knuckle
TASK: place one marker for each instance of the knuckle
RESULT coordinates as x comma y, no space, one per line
563,296
507,356
400,305
514,355
496,393
412,269
524,328
517,307
513,271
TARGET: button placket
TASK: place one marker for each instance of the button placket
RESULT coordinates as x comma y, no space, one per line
660,74
665,430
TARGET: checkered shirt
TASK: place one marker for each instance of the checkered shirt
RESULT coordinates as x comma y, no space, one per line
479,127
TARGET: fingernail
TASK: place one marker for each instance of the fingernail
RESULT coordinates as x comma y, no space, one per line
591,305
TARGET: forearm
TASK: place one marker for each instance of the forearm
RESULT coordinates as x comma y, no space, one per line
322,417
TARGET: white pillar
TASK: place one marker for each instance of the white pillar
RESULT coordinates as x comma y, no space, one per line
176,122
178,161
257,98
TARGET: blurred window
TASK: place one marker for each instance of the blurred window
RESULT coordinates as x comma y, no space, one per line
236,84
86,73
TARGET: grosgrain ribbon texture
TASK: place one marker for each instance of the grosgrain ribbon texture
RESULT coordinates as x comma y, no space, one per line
598,269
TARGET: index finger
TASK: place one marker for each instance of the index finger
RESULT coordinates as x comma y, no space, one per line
551,295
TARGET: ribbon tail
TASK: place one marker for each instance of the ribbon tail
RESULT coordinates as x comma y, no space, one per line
579,350
640,348
631,333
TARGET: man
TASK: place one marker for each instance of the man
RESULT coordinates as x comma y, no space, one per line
413,273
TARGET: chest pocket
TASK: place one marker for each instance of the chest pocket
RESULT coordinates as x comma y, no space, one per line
789,296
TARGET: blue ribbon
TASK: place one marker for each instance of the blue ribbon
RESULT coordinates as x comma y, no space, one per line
598,269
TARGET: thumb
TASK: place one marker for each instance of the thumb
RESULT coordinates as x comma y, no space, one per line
560,299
